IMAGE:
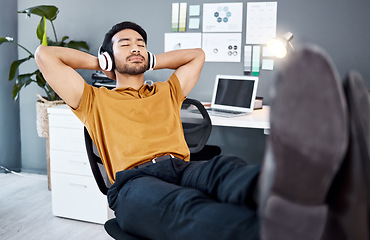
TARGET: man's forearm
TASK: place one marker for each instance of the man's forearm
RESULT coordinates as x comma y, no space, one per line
58,65
177,58
73,58
187,64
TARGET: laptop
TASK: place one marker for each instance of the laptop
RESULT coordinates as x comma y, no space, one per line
233,95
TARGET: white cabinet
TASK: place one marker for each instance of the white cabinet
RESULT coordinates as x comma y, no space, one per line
73,188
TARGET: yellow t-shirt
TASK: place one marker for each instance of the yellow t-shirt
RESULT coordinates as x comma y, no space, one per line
130,127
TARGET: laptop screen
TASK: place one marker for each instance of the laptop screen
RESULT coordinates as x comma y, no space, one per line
235,92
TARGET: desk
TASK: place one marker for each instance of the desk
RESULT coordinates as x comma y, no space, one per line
242,136
257,119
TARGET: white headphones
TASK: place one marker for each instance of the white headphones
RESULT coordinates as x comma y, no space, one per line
106,60
151,61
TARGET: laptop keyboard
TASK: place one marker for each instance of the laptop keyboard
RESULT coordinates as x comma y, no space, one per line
224,112
220,112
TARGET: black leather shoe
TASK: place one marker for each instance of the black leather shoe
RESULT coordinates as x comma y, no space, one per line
349,198
306,147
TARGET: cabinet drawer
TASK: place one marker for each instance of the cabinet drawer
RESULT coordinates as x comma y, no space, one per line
70,162
78,197
65,121
67,139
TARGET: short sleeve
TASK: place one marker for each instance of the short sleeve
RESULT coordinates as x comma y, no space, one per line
175,88
86,103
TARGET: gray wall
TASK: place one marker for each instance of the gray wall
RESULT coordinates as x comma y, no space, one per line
10,144
339,26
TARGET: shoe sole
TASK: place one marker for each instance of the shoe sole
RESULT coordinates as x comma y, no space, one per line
307,144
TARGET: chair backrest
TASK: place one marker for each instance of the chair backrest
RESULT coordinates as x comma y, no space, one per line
196,124
96,164
197,128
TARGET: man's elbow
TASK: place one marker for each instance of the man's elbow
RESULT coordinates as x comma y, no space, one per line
40,54
200,54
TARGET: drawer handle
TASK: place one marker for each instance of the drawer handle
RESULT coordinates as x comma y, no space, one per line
76,185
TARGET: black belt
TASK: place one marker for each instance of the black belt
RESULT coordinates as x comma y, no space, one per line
155,160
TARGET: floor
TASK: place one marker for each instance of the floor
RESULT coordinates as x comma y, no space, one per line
25,212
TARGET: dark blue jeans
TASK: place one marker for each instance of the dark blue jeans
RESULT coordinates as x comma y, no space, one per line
174,199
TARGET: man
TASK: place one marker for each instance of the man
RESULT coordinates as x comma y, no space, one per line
157,193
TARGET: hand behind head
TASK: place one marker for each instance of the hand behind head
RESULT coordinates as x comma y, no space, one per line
110,74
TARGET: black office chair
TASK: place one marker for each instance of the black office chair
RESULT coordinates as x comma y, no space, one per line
197,128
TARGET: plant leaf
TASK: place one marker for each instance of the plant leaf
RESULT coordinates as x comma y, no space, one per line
22,81
64,38
50,12
61,44
25,79
2,40
51,42
44,36
40,80
15,65
79,45
15,92
40,30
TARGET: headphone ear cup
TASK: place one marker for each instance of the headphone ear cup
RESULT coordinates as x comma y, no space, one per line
105,60
109,61
151,61
102,62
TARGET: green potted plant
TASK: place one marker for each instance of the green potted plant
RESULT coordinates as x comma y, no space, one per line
45,12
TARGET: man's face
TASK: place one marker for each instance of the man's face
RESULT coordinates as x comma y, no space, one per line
130,54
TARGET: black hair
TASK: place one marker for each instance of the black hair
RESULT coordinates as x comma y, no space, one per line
107,43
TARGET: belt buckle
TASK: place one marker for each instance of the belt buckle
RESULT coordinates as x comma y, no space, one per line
154,160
